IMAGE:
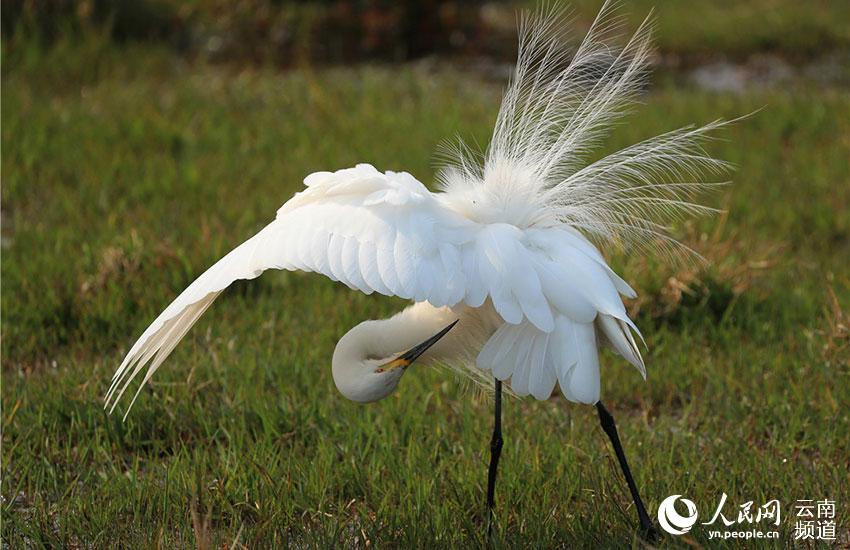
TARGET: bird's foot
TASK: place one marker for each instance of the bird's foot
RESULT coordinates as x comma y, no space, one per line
649,532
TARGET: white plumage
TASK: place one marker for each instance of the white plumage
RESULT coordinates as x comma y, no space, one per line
502,247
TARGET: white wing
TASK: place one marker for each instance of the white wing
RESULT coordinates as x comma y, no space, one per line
374,232
386,233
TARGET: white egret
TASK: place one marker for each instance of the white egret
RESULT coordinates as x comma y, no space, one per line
502,253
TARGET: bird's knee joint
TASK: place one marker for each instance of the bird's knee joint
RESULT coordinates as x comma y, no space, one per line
496,443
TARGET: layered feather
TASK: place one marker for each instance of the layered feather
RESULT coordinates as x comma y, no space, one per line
386,233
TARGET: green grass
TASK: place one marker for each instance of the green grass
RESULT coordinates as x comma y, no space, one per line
124,179
735,29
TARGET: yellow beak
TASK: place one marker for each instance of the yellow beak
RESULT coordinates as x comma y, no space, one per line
407,358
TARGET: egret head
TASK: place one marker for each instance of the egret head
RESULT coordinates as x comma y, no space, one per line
364,367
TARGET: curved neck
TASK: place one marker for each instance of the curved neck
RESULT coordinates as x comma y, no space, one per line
386,338
362,352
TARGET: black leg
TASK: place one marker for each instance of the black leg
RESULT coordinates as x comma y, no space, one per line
610,428
495,452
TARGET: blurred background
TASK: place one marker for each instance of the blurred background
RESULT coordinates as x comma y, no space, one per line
285,34
142,140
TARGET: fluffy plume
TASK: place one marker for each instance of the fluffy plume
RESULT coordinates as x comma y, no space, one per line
556,110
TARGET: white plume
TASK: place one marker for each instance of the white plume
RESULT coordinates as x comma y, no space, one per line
555,111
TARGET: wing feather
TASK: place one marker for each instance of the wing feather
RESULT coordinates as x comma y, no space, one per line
619,337
541,381
388,245
368,260
518,358
386,266
579,378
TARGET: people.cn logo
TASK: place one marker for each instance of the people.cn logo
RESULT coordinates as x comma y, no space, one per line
673,522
